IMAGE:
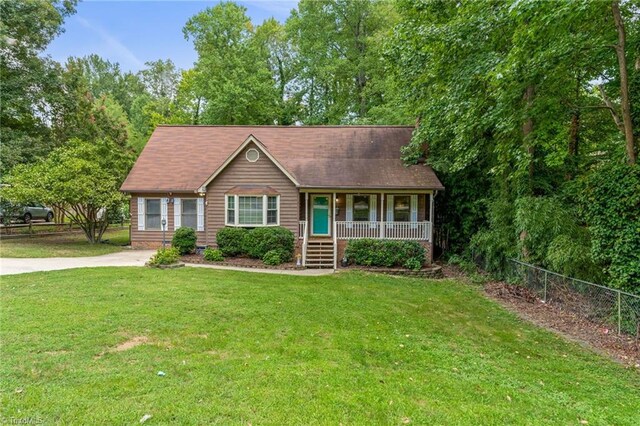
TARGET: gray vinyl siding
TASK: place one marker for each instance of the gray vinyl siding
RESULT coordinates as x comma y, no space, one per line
242,172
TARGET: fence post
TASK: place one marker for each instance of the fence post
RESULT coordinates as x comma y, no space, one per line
619,313
30,228
545,287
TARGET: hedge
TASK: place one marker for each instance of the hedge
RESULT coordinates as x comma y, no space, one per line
258,241
387,253
184,240
230,240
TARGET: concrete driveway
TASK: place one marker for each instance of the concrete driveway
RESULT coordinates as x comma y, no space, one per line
10,266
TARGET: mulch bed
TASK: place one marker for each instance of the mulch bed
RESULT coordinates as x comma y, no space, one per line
242,262
527,305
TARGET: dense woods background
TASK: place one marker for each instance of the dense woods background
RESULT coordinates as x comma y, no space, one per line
528,110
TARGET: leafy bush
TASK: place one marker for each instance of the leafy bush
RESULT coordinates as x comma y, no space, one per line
274,257
609,202
492,247
184,239
388,253
165,256
213,255
230,241
258,241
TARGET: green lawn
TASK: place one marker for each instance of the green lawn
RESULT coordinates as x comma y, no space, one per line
64,245
248,348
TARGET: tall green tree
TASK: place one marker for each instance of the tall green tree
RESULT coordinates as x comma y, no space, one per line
338,54
27,81
233,73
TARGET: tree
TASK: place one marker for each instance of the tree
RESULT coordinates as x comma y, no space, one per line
82,179
335,42
232,72
26,80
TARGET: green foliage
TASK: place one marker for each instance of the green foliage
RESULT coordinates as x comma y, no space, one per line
275,257
81,179
233,72
230,239
165,256
387,253
213,255
184,239
258,241
610,204
492,246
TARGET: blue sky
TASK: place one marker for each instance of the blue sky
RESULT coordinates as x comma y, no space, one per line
134,32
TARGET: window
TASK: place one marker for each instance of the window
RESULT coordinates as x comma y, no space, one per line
250,210
152,210
402,208
189,216
231,210
245,210
361,208
252,155
272,210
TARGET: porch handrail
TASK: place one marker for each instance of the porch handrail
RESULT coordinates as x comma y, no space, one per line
305,240
301,229
349,229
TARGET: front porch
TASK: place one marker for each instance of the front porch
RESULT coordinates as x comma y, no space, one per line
328,220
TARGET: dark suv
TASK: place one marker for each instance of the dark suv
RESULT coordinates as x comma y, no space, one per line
27,213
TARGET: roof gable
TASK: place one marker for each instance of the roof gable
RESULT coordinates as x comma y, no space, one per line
238,151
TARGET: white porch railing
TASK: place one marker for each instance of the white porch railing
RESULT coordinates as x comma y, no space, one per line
347,230
301,229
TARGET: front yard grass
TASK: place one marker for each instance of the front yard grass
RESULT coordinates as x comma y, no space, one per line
63,245
86,345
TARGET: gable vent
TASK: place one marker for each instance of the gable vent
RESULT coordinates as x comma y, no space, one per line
252,155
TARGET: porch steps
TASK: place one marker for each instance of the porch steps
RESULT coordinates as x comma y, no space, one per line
319,254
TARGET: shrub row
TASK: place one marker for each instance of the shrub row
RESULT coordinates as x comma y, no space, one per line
184,240
274,245
387,253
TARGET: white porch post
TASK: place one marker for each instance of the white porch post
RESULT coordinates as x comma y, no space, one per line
335,234
431,218
382,215
306,229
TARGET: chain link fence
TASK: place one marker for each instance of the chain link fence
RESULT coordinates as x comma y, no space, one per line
607,307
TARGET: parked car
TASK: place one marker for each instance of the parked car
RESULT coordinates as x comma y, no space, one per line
27,213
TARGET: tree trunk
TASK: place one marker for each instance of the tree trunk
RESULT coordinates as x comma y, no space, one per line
624,83
574,143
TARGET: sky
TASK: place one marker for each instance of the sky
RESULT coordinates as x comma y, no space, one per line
134,32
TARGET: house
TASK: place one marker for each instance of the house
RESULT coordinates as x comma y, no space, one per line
327,184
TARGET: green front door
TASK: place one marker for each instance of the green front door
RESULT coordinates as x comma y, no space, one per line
320,215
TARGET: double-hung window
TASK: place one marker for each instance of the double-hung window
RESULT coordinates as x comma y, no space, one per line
361,207
252,210
152,213
402,208
272,210
189,215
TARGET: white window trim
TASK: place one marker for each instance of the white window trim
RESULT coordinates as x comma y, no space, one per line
177,213
141,213
236,215
200,215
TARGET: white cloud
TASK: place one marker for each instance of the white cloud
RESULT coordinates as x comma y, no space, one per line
112,44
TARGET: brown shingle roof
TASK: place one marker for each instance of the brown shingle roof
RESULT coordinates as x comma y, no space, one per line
181,158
